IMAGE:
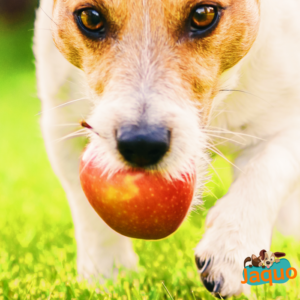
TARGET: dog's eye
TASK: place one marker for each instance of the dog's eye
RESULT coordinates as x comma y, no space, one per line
91,20
203,17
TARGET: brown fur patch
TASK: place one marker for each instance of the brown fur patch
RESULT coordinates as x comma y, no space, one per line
199,62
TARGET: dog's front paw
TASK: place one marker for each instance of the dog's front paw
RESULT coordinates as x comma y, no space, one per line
213,285
219,258
221,279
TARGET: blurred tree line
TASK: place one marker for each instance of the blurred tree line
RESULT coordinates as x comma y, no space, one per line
14,11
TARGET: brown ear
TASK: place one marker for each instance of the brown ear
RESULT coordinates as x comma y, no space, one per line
262,254
279,254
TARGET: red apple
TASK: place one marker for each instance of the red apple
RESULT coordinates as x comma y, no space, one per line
137,203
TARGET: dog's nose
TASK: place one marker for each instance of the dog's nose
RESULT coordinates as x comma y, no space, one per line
268,263
143,145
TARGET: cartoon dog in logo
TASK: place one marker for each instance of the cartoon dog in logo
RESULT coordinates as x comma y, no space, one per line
265,259
268,257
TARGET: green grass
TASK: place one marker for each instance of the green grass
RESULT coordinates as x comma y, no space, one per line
37,246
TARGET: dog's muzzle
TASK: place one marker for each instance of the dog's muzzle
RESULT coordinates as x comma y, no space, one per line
143,145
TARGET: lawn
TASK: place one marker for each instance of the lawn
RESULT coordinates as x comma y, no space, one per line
37,246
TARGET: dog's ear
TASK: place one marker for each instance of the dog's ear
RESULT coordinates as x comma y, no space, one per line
262,254
279,254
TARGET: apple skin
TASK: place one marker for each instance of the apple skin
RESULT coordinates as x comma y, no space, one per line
136,203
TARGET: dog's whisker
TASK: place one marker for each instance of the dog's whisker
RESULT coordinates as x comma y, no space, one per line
232,90
86,164
213,140
208,132
221,143
221,111
70,137
41,8
222,130
78,133
217,151
209,192
44,29
241,91
66,125
63,105
225,138
214,171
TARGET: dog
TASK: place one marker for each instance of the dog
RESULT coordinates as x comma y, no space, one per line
269,258
255,260
205,72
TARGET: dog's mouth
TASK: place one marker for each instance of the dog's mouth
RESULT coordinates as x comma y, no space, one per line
268,264
135,202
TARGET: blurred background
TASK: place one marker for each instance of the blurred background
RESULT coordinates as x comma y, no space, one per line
34,215
17,10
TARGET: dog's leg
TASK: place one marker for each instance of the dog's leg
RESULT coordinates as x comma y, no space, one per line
99,247
288,221
242,221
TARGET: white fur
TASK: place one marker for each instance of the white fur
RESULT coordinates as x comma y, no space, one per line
99,247
269,167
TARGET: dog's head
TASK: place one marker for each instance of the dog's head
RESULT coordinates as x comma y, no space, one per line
268,257
154,69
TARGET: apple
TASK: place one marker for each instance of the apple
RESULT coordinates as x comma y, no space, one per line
137,203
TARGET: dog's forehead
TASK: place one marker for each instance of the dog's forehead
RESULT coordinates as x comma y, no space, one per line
132,6
269,254
130,3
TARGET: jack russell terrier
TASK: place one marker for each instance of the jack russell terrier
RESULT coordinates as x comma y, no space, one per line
205,71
